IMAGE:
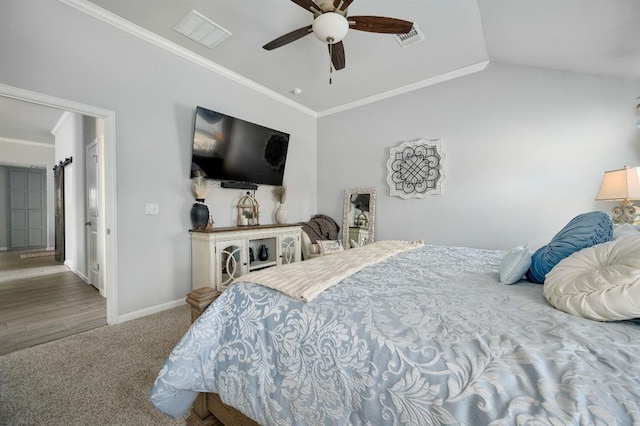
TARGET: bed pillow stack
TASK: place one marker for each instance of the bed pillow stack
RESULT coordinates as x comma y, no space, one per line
585,230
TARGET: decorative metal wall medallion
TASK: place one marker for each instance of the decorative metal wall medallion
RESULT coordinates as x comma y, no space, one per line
415,169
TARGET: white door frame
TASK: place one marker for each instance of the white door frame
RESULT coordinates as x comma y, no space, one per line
107,234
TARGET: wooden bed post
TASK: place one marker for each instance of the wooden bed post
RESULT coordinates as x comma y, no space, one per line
208,409
200,414
199,299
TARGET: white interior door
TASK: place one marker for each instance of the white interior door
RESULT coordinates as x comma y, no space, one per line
92,216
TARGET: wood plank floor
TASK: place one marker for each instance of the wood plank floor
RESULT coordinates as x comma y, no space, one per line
42,300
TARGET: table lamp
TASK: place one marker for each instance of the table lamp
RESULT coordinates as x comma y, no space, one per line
622,185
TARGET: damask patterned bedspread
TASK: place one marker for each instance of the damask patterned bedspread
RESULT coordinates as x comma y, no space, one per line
426,337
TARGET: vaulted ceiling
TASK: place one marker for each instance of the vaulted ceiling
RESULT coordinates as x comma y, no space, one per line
460,37
590,36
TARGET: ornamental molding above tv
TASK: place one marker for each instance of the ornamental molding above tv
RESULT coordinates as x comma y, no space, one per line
237,152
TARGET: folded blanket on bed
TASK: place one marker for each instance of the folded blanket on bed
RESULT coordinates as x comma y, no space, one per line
305,280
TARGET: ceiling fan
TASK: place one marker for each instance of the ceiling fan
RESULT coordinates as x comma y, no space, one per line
330,25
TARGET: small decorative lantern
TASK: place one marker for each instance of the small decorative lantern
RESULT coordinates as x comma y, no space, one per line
248,210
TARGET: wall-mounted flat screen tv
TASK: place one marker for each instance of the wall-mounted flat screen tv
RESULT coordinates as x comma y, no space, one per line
229,149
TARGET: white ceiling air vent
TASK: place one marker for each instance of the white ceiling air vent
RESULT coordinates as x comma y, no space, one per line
413,36
201,30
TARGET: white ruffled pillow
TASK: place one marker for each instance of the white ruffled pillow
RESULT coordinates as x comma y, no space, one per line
600,282
515,264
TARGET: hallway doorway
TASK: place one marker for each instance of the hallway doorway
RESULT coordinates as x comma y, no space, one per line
104,231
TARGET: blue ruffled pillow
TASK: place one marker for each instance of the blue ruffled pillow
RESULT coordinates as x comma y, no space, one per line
585,230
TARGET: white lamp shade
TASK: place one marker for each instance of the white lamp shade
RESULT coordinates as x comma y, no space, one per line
330,27
623,184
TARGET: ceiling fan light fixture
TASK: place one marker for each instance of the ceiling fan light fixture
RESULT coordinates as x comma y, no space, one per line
330,27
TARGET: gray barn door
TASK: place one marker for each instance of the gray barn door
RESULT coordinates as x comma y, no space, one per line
27,208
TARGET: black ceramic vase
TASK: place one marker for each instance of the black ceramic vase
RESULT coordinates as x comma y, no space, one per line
199,214
263,254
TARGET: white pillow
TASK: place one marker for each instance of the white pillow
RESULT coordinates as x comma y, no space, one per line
515,264
624,230
329,246
600,282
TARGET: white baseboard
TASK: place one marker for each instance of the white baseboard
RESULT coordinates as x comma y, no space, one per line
82,276
152,310
3,249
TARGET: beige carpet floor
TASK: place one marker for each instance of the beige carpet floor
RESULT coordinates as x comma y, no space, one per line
100,377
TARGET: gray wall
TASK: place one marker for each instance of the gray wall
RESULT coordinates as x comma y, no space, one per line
154,93
526,148
525,152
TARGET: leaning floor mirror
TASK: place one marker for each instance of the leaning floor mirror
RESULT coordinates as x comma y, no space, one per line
359,219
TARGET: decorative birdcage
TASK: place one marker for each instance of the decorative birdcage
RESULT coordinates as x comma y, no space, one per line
248,210
362,221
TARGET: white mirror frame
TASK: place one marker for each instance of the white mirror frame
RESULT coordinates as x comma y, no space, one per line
346,219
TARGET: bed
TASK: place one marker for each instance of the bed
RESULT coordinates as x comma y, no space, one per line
427,336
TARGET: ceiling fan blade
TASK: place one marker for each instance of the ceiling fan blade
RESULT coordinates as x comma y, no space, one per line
380,24
288,38
308,5
345,5
336,3
337,55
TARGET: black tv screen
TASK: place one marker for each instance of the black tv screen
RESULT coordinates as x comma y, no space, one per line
226,148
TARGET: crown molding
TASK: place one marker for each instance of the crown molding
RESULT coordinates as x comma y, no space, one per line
51,101
461,72
120,23
66,116
146,35
25,142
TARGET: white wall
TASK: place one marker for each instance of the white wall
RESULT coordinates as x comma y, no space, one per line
27,155
153,93
525,152
70,143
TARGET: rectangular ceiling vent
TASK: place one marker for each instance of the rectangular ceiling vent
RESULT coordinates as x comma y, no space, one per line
202,30
413,36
